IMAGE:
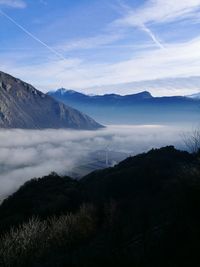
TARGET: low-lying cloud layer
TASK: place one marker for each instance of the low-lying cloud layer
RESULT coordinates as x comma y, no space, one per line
25,154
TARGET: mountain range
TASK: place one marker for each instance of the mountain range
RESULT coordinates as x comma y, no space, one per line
173,84
141,108
23,106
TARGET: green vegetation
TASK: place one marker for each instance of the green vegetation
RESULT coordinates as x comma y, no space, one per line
143,212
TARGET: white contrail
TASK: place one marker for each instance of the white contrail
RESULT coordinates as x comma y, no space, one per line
32,36
152,35
128,10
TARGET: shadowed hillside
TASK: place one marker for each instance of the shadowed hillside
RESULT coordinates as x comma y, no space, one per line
142,212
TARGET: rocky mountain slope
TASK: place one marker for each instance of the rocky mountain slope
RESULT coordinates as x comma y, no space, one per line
22,106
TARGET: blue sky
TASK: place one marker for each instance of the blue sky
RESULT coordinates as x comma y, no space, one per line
101,46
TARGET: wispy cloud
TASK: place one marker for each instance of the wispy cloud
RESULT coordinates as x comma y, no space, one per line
160,11
129,55
127,12
158,87
90,42
176,60
13,3
152,36
157,12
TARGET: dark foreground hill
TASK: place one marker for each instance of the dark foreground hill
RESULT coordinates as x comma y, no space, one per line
22,106
142,212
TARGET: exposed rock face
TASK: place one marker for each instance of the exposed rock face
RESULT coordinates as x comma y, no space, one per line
22,106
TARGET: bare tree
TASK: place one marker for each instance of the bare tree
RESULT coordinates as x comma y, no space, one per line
192,140
24,243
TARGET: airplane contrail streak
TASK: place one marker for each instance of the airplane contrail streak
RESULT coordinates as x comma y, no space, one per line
32,36
128,10
152,35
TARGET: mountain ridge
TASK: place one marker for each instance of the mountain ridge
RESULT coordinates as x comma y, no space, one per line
63,91
23,106
140,108
141,93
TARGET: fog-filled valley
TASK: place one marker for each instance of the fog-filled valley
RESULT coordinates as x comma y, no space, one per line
33,153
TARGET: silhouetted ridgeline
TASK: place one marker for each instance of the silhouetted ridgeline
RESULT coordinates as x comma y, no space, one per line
142,212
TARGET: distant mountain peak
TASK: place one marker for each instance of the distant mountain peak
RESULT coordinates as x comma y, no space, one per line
147,93
143,94
62,91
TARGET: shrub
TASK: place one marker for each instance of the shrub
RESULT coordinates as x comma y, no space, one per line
23,245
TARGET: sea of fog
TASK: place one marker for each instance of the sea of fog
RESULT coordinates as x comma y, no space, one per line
25,154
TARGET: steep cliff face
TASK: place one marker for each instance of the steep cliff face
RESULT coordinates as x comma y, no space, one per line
22,106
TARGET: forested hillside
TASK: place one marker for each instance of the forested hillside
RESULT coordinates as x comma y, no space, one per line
142,212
